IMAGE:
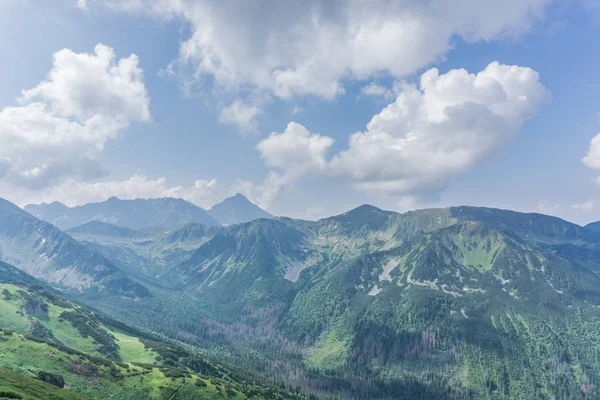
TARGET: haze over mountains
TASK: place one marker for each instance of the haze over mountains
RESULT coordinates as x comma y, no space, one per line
142,213
459,302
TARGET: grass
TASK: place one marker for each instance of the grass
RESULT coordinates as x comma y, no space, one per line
478,253
97,380
329,353
65,331
17,386
11,316
94,377
132,350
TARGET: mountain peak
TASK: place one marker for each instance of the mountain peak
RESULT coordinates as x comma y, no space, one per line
237,209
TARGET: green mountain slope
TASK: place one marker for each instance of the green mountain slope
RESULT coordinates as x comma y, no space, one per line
462,302
44,251
145,252
101,358
17,386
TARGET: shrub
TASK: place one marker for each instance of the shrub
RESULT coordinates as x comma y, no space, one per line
52,379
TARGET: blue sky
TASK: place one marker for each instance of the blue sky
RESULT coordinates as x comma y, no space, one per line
176,129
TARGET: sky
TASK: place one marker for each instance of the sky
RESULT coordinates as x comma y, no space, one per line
308,108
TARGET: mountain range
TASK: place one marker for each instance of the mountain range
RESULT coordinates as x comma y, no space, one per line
143,213
452,303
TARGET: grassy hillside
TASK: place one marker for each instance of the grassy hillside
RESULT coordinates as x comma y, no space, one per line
100,358
17,386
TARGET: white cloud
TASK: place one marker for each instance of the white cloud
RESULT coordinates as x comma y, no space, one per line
295,150
444,127
241,115
426,137
376,90
288,48
61,125
203,192
592,159
82,86
588,206
81,4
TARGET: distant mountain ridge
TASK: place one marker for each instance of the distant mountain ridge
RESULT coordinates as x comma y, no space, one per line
145,213
135,214
236,210
593,225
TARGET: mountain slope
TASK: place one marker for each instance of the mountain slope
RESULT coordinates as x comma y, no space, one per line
594,226
145,252
42,250
40,330
99,228
138,213
227,266
461,302
465,298
236,210
529,226
17,386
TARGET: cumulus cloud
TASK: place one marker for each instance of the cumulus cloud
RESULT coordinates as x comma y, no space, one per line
296,151
288,48
592,159
82,86
60,126
441,128
376,90
431,132
81,4
203,192
241,115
